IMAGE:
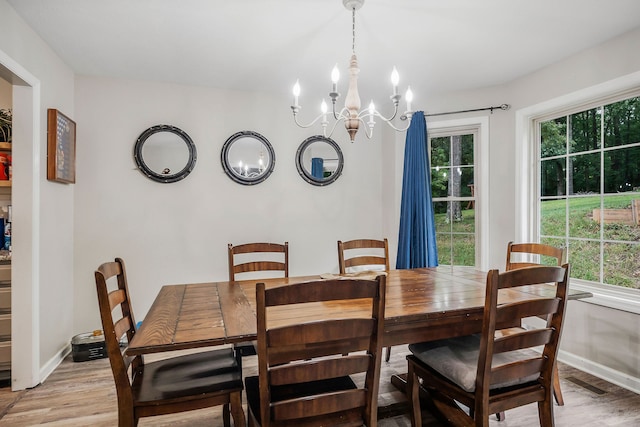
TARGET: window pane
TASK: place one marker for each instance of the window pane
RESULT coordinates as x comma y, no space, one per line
464,252
619,221
622,264
553,217
466,144
466,181
553,176
622,170
440,216
584,257
581,214
585,174
585,130
443,241
553,137
439,182
621,124
466,224
440,151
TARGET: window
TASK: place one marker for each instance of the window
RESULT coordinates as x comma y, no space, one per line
589,198
452,155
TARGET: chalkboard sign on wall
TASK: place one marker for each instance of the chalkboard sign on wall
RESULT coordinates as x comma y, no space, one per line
61,147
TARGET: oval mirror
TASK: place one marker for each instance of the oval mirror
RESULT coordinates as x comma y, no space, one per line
319,160
165,153
248,157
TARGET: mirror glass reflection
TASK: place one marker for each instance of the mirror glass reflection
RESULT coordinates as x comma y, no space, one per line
248,157
319,160
165,153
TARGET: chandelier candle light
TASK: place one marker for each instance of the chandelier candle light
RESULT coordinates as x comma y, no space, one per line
350,113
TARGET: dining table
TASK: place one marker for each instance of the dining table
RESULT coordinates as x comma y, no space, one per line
422,304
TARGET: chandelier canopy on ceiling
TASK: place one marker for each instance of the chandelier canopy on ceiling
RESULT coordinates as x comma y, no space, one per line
351,113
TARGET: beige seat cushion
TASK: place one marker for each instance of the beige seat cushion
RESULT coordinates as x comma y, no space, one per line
457,360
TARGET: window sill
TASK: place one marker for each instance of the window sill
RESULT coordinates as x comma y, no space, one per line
609,296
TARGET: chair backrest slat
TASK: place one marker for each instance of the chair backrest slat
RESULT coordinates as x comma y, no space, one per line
329,403
328,331
322,369
516,370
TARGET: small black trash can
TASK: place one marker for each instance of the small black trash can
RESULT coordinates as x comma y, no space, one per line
88,346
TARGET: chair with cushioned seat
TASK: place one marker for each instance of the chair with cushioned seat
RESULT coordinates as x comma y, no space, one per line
523,255
500,368
305,365
177,384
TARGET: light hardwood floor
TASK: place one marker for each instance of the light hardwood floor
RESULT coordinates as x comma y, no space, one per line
83,394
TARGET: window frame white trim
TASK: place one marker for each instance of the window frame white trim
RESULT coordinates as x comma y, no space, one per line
481,165
527,186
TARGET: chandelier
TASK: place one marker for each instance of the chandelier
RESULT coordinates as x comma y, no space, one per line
350,114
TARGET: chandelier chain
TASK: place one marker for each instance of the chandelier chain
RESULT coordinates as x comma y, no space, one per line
353,30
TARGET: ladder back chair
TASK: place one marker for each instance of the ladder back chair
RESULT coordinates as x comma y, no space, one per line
176,384
521,255
368,254
548,255
278,255
499,368
305,360
256,258
364,253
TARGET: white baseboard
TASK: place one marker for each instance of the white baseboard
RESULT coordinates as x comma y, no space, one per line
54,362
615,377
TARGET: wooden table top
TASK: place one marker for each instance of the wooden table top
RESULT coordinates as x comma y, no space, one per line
421,304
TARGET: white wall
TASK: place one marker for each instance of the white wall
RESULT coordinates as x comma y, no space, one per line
43,211
178,233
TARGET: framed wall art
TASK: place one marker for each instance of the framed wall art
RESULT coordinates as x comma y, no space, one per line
61,147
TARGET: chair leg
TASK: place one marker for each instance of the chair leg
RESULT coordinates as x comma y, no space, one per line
226,415
236,410
413,390
545,412
388,356
557,393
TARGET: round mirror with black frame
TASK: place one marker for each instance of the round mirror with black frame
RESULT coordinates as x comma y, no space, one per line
248,157
165,153
319,160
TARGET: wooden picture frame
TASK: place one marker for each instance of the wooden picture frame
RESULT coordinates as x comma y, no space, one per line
61,147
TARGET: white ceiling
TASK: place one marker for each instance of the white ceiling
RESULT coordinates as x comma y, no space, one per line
265,45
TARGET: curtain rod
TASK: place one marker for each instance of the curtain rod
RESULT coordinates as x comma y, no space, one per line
501,107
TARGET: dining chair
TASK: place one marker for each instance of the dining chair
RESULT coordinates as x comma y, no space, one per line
306,363
500,368
177,384
256,258
523,255
545,254
364,254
